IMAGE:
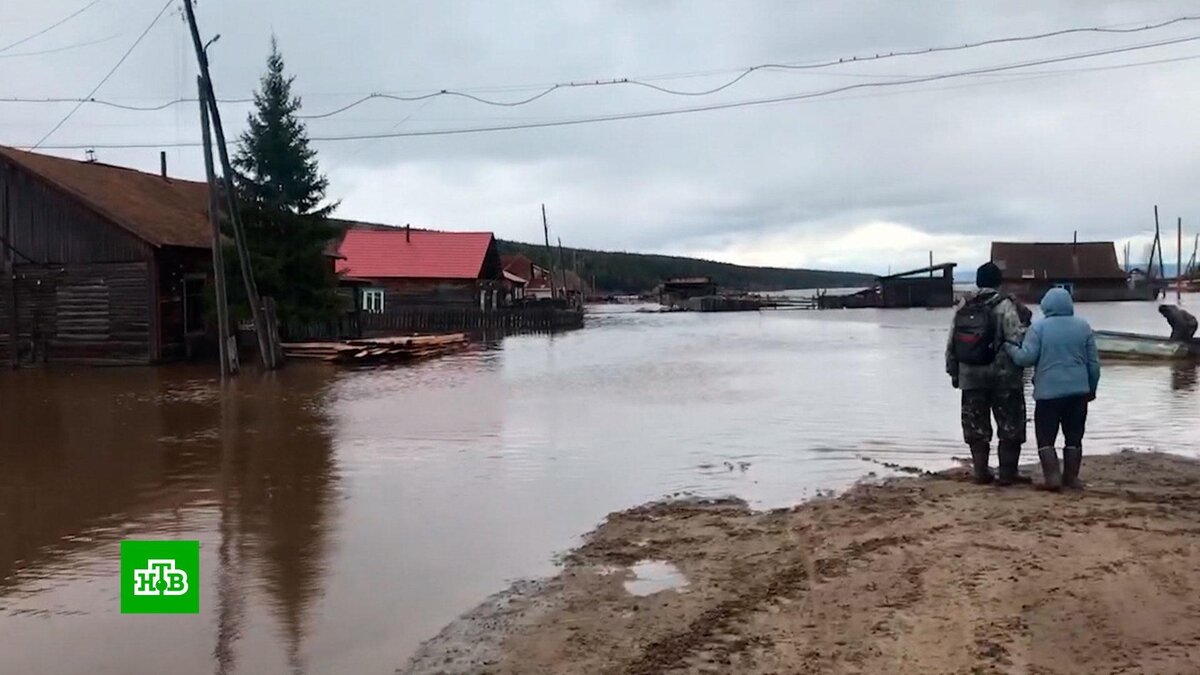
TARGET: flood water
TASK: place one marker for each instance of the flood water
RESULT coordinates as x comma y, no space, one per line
345,516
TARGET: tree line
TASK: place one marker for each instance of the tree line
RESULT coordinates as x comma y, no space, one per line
621,273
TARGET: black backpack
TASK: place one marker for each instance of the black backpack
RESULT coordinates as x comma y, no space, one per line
975,331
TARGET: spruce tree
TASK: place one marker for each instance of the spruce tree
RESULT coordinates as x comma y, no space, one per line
282,195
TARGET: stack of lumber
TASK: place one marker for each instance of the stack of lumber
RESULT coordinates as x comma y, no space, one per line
377,350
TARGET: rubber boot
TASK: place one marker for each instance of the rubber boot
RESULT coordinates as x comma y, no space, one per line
979,461
1072,459
1050,470
1010,458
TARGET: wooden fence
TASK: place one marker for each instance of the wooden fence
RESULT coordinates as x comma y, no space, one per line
532,319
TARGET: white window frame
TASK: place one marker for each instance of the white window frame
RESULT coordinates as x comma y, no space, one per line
372,300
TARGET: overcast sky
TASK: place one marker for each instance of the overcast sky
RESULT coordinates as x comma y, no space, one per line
861,180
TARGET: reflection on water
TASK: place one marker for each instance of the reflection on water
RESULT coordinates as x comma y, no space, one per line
346,515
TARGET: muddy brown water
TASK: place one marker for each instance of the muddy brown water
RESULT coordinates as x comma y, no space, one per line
345,516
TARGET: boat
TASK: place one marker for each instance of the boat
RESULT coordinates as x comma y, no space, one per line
1141,346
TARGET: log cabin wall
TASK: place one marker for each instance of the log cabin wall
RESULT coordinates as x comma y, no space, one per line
74,286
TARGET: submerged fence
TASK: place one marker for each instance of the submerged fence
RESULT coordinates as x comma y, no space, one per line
441,320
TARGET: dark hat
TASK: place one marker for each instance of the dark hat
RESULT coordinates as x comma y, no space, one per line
988,276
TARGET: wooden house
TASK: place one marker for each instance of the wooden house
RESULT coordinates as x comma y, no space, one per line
400,268
100,263
1088,269
538,284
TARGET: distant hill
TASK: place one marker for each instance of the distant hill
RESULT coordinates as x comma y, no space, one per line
631,273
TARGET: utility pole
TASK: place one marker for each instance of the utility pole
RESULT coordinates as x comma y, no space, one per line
218,257
562,269
1179,262
549,251
1157,245
265,347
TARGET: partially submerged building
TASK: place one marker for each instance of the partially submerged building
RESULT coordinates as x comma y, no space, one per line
925,287
674,292
100,263
1089,270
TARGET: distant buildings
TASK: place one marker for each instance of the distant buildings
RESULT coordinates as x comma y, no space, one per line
532,279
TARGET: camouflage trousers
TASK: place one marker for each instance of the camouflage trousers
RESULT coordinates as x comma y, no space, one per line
1007,405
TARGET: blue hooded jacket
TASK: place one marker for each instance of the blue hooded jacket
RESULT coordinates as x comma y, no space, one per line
1062,347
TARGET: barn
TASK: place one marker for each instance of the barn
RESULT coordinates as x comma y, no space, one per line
101,264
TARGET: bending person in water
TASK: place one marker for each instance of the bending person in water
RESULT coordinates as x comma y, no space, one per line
1183,324
1067,371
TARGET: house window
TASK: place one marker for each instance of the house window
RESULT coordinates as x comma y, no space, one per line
372,300
1028,274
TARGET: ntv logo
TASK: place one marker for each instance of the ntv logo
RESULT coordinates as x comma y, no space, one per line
160,577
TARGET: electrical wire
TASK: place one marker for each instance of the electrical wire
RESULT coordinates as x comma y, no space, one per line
695,109
106,77
645,82
64,48
52,26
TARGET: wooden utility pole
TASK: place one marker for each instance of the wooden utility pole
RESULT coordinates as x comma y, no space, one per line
1157,245
218,257
1179,262
549,251
265,348
562,268
8,252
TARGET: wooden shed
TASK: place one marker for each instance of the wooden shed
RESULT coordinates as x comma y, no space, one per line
100,263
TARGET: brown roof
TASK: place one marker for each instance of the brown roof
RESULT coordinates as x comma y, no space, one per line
161,212
1057,261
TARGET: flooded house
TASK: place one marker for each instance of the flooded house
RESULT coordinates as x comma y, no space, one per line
931,286
397,268
676,291
535,280
1089,270
100,263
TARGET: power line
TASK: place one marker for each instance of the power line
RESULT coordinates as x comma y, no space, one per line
646,82
52,26
64,48
694,109
110,73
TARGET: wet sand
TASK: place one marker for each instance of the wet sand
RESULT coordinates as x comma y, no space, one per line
926,574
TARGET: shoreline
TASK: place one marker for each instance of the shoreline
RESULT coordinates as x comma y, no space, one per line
925,574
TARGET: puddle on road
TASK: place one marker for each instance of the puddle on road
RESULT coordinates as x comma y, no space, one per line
654,576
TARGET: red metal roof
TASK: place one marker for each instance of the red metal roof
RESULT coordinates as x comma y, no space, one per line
413,254
157,210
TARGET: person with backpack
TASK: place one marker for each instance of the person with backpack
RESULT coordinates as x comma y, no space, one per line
1063,349
991,384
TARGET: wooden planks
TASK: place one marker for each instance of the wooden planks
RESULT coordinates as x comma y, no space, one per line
381,350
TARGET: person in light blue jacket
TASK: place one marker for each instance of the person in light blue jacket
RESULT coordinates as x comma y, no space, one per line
1063,349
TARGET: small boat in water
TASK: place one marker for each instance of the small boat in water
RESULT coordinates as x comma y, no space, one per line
1139,346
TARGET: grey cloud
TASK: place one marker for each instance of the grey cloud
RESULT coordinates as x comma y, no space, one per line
986,156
